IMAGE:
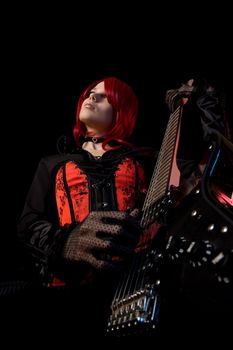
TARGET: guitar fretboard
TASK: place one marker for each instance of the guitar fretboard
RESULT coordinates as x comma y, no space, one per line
160,179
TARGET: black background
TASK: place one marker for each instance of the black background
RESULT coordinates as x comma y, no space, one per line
49,56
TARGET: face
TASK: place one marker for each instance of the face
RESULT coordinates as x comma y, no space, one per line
96,112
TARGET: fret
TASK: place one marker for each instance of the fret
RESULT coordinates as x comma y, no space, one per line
137,300
159,184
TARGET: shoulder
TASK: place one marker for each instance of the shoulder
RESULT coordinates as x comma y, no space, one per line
145,156
56,160
139,153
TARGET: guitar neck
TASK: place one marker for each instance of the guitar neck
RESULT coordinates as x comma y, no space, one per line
160,180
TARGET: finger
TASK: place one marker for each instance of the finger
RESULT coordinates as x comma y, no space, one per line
109,230
123,237
129,227
188,87
132,221
190,82
108,266
135,213
101,264
119,215
95,243
118,250
111,246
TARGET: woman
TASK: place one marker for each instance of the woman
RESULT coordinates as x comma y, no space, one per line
98,183
80,217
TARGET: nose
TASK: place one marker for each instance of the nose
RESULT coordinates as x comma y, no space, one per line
92,97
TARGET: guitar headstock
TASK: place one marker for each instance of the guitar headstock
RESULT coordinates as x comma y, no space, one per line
180,96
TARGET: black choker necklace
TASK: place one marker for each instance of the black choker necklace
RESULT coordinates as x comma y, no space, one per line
94,139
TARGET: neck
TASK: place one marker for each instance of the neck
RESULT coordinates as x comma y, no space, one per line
94,147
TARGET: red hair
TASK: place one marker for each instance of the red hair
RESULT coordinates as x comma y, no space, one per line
125,110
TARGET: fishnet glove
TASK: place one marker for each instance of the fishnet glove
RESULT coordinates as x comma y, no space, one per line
103,239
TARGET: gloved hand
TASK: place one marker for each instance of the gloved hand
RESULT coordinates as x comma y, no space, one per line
174,97
104,239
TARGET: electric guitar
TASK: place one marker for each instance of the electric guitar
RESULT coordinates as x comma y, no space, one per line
199,233
136,304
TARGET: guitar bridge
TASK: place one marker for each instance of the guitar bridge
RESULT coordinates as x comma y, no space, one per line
138,312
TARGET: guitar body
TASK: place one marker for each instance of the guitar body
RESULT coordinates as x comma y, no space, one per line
199,249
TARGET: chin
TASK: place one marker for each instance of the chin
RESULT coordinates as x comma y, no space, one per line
84,117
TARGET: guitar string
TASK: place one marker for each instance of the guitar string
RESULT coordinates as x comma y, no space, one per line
172,128
142,257
160,166
136,276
